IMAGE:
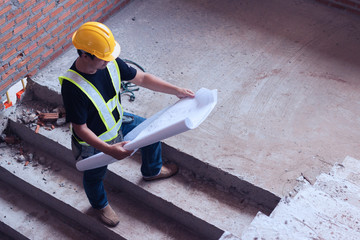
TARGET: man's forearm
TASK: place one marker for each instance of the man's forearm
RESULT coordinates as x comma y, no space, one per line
89,137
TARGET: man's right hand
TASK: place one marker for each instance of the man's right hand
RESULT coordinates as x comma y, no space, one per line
118,151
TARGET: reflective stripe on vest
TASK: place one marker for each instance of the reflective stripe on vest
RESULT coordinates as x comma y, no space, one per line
104,108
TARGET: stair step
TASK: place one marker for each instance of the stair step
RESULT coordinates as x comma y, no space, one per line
339,188
59,186
349,169
264,227
24,218
195,196
202,206
313,214
327,210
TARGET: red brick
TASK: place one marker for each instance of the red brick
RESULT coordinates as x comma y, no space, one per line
20,75
57,11
51,25
23,45
9,55
14,60
37,52
23,62
37,34
43,22
45,63
101,5
82,11
7,26
32,73
94,3
5,9
7,83
8,73
13,42
30,48
96,16
34,63
49,7
37,7
2,21
52,41
5,38
20,28
89,14
22,17
4,67
76,7
65,32
56,55
35,18
57,30
71,20
46,54
61,44
69,3
68,45
28,4
64,15
13,13
28,32
43,40
78,23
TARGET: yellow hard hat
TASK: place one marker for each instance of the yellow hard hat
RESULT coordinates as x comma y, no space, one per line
97,39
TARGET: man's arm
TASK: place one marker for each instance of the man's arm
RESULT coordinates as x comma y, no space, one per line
117,150
154,83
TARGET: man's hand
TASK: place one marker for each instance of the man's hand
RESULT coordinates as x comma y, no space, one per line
183,92
118,151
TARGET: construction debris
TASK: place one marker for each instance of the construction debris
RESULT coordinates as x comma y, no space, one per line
47,117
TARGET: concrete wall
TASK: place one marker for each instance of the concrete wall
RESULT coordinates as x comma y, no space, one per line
34,32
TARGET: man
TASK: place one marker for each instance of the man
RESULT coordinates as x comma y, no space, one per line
91,96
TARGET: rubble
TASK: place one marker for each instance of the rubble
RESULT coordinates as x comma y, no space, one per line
38,116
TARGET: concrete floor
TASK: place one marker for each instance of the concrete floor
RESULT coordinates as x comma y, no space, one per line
286,73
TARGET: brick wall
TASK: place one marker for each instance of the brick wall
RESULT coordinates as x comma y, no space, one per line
34,32
352,6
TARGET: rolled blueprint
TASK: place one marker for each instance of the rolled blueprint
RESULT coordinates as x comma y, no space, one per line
184,115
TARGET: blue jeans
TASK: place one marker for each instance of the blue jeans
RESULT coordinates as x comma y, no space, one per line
93,179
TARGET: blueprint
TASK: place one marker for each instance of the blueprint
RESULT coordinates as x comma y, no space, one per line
184,115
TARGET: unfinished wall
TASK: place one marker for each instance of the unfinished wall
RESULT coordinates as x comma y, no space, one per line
34,32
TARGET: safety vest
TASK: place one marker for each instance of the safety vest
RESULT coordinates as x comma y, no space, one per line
104,108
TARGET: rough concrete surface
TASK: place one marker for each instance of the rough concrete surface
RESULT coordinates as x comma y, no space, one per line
332,209
286,73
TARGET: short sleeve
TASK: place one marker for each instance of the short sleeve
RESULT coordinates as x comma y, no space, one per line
127,72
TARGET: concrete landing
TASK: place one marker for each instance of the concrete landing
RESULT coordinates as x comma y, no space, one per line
327,210
286,73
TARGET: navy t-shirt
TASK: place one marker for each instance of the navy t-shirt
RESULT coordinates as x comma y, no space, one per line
80,109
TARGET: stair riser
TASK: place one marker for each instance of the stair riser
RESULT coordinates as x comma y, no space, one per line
55,204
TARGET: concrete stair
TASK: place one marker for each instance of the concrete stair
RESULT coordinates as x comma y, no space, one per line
187,206
329,209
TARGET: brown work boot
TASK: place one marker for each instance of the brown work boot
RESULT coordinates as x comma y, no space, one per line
167,170
108,216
